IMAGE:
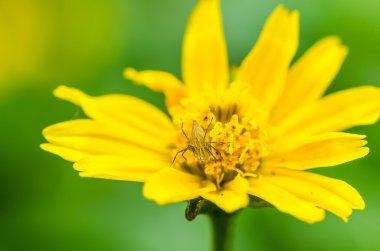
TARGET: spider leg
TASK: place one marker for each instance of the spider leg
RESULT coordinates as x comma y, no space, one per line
183,151
183,131
219,143
208,127
210,152
217,152
183,154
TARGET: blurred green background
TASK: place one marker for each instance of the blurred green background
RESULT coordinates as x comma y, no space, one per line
44,205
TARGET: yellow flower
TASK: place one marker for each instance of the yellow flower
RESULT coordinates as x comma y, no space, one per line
256,133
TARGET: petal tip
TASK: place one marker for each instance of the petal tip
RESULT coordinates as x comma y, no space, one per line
283,10
364,151
44,146
61,90
280,8
361,205
316,217
295,15
334,43
68,93
45,131
130,73
86,175
332,39
356,200
78,167
150,194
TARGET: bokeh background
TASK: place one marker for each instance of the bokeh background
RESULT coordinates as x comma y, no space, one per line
44,205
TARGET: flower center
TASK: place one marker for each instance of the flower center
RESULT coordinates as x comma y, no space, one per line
221,134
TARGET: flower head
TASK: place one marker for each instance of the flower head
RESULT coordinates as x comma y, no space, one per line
228,138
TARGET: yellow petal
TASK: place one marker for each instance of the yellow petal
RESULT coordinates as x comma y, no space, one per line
328,149
266,66
311,192
131,168
160,81
95,129
120,110
336,112
285,201
66,153
204,52
334,186
232,197
85,137
310,76
171,185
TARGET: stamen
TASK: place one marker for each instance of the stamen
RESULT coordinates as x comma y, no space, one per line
221,143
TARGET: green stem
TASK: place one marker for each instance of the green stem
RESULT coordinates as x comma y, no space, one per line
222,230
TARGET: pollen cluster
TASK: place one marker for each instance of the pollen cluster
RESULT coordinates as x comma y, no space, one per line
219,135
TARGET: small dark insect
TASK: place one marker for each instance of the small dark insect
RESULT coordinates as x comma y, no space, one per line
197,144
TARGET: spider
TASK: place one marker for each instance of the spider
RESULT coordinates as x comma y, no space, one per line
197,144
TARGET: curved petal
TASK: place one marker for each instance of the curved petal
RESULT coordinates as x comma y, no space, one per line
310,76
322,150
232,197
65,153
120,110
336,112
91,129
171,185
312,193
311,189
204,52
75,139
335,186
160,81
285,201
131,168
266,66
